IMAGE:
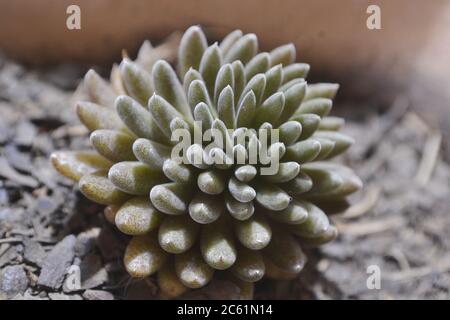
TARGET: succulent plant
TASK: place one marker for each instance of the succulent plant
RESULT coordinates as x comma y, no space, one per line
193,220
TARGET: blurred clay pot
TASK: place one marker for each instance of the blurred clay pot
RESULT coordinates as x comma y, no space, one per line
330,34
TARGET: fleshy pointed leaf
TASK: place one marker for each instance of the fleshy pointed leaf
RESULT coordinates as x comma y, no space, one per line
310,122
321,90
225,107
290,132
113,145
95,116
225,77
270,110
319,106
239,80
163,113
217,245
169,87
171,198
244,49
178,172
98,89
274,77
239,210
192,46
272,197
254,233
152,153
137,216
210,65
229,40
294,96
139,120
211,182
137,81
301,184
75,164
281,244
205,209
295,71
134,177
284,55
177,234
143,256
192,270
257,84
303,151
258,64
97,187
286,172
240,191
246,111
249,266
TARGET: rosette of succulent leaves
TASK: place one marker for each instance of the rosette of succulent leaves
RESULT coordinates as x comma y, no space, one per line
197,219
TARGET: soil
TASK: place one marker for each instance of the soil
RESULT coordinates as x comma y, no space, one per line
55,244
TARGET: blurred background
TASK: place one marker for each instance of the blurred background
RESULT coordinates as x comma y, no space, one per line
395,91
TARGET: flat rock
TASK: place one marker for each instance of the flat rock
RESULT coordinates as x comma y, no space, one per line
63,296
98,295
19,160
57,262
25,133
46,205
34,252
11,174
13,281
10,254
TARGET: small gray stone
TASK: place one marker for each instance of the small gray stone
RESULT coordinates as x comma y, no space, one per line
73,279
46,205
13,281
11,174
25,133
10,254
19,160
62,296
57,262
34,252
98,295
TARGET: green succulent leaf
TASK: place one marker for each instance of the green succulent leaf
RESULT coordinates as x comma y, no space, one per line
113,145
192,270
284,55
137,81
295,71
143,256
177,234
192,46
97,187
134,177
137,216
254,233
243,49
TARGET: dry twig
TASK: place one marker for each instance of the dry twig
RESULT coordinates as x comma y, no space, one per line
364,206
430,156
